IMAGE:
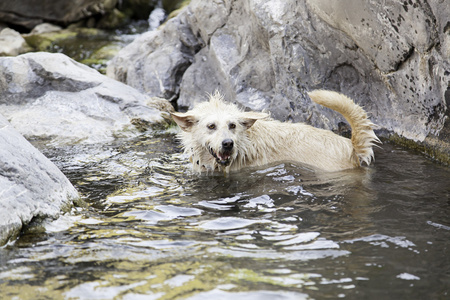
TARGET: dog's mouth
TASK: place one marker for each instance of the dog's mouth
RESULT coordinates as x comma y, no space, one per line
222,157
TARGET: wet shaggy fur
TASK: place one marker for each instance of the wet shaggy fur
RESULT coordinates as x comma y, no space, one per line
219,136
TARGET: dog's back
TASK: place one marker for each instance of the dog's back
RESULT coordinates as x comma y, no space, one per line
363,137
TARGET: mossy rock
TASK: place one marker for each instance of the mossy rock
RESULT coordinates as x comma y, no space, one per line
44,41
432,147
99,58
174,7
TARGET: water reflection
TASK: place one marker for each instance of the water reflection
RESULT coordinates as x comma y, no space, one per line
151,229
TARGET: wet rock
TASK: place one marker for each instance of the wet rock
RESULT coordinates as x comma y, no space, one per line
31,186
12,43
52,97
391,57
44,41
91,46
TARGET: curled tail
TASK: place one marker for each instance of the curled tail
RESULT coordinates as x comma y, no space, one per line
363,137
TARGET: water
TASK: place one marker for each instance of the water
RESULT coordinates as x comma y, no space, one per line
150,229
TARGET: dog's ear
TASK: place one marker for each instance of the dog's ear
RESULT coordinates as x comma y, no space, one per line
184,120
249,118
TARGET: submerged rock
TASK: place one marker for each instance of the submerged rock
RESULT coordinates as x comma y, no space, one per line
31,186
50,96
391,57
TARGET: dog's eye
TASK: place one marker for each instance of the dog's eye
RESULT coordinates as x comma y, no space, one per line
211,126
231,126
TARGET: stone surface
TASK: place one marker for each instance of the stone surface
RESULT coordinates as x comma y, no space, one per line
26,14
155,62
391,57
52,97
45,28
29,13
12,43
31,186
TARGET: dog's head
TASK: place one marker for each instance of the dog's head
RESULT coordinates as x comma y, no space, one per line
214,132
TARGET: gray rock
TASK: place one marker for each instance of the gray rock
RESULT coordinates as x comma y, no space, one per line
391,57
50,96
45,28
31,186
29,13
12,43
155,62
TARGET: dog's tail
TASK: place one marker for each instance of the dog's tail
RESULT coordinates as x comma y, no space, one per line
363,137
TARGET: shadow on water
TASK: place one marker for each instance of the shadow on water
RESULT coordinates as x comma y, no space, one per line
151,229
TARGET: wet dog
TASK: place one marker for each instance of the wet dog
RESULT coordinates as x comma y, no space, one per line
220,136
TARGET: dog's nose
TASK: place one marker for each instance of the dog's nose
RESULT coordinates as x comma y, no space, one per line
227,144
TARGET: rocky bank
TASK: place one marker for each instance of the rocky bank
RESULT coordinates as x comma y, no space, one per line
31,186
52,98
392,57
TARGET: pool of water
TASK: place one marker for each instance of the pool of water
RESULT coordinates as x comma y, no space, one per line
148,228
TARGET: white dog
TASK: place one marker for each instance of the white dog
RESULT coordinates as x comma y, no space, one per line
220,136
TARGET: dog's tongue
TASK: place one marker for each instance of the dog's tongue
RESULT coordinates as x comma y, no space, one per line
223,158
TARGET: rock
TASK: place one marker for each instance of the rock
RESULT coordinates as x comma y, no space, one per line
44,41
50,96
31,186
28,14
12,43
90,13
174,7
391,57
171,5
155,62
91,46
45,28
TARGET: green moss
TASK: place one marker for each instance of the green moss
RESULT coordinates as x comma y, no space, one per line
44,41
174,7
433,148
99,58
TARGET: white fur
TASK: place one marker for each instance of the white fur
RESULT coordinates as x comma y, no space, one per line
258,140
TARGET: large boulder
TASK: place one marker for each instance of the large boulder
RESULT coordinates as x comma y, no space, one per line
92,13
50,96
391,57
155,62
29,13
31,186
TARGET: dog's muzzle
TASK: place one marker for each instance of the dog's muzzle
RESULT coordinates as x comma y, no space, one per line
223,157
